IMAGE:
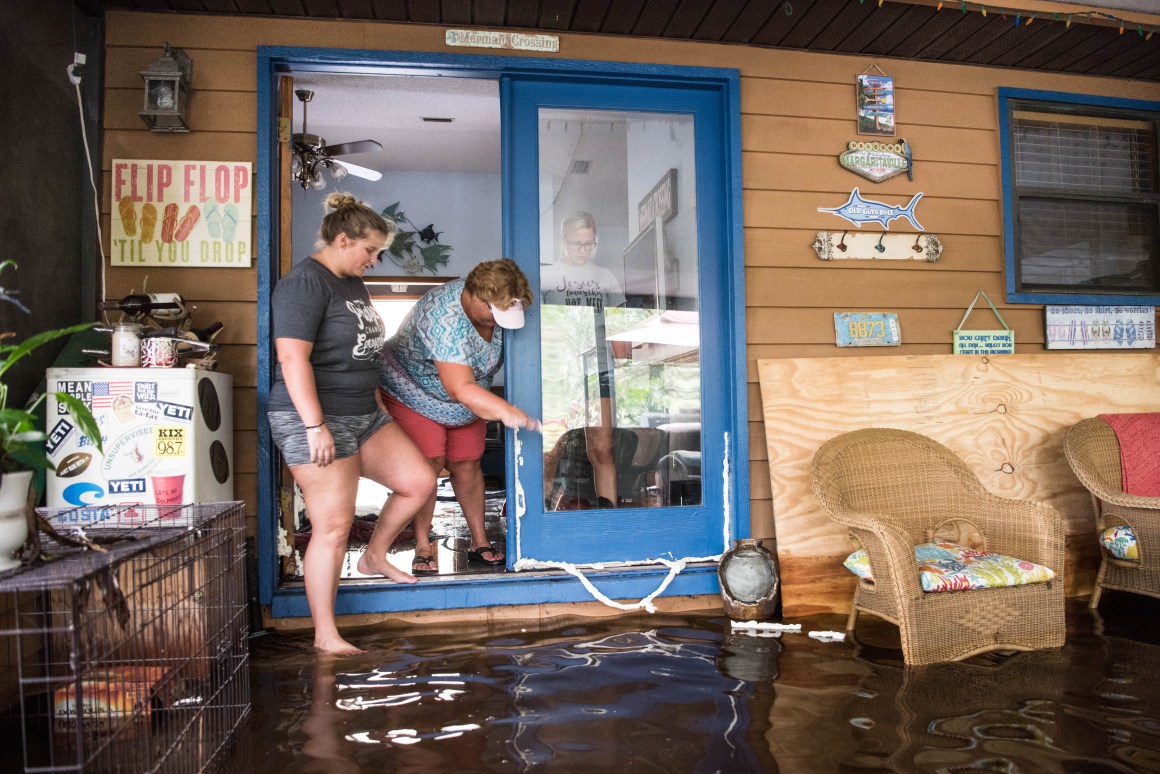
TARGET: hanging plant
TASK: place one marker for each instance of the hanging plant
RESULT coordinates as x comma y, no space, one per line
415,249
21,437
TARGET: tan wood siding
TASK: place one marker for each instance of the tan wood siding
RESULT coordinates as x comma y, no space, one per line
1005,417
797,116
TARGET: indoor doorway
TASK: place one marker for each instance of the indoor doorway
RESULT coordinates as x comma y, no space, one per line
437,173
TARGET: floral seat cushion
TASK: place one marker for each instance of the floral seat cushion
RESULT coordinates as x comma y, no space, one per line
1120,542
952,567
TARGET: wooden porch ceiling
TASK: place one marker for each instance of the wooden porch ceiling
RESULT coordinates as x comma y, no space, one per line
910,29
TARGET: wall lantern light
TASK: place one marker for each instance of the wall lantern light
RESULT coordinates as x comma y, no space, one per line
167,92
750,581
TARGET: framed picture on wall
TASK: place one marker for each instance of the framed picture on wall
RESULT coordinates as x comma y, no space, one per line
875,103
644,269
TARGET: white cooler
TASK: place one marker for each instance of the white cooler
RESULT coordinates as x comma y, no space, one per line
167,435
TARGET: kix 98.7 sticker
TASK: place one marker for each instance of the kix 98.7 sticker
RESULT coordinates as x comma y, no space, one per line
169,442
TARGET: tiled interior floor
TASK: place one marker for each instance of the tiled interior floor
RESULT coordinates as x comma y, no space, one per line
449,530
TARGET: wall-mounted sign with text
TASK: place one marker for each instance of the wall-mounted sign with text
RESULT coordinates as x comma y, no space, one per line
1101,327
983,342
877,161
512,41
858,211
866,329
660,202
189,214
875,98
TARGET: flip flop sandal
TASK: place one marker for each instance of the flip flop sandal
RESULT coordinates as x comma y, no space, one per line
229,222
476,555
420,559
213,221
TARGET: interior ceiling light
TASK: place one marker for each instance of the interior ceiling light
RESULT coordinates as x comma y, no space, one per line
312,155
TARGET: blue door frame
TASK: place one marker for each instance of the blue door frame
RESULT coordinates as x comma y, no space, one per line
526,587
622,534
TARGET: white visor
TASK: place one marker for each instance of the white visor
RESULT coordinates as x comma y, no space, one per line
510,318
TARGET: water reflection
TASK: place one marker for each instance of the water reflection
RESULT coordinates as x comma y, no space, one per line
323,750
686,694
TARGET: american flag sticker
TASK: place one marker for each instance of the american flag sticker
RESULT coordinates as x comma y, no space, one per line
105,392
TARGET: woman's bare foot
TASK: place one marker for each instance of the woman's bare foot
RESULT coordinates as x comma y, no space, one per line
369,565
335,646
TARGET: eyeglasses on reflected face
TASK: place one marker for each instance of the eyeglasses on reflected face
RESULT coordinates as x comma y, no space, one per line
584,246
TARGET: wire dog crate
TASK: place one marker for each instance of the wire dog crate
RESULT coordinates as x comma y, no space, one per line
133,658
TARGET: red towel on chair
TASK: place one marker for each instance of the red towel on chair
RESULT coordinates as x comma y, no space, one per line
1139,437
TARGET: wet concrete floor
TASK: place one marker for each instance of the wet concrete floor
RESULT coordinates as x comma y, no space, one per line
669,693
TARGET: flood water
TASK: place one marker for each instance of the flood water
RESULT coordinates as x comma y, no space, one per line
684,693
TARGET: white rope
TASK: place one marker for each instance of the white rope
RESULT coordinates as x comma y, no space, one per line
675,567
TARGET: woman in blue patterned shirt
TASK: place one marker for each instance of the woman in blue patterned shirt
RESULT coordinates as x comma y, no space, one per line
435,381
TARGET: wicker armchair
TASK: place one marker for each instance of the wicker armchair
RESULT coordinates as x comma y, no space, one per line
895,489
1094,455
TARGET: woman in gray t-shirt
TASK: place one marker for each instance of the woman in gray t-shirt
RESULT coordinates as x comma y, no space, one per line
322,409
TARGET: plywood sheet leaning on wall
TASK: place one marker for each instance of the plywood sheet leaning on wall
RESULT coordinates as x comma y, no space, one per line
1005,415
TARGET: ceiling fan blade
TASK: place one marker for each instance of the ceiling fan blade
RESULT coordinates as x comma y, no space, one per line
347,148
357,171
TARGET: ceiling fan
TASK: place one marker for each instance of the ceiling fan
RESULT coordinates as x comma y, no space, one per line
312,154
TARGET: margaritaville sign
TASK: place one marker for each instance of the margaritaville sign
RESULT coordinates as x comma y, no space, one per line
515,41
875,161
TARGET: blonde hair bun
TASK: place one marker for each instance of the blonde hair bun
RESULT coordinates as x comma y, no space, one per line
340,201
347,215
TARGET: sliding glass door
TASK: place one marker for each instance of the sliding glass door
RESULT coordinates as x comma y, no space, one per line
617,204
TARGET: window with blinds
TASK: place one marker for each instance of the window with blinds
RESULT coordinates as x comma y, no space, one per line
1086,200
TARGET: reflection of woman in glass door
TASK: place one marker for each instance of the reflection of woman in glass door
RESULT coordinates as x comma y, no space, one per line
575,281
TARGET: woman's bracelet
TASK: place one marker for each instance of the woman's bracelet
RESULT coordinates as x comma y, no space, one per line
315,428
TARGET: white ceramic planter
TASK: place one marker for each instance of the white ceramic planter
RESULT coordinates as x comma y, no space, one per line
13,518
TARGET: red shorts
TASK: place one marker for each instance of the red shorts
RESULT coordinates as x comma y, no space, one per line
454,444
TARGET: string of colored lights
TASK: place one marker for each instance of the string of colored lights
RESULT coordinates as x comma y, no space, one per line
1101,18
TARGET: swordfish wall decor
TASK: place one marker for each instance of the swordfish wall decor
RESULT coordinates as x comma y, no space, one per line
858,211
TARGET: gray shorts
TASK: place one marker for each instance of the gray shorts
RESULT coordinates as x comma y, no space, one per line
349,433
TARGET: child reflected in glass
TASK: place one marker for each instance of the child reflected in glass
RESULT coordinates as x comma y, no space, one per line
574,280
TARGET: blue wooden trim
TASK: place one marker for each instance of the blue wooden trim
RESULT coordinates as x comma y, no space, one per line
429,63
1013,297
1124,103
683,531
1008,197
520,243
509,589
523,588
511,238
1082,300
738,387
267,270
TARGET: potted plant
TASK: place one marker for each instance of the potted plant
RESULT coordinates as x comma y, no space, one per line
21,436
